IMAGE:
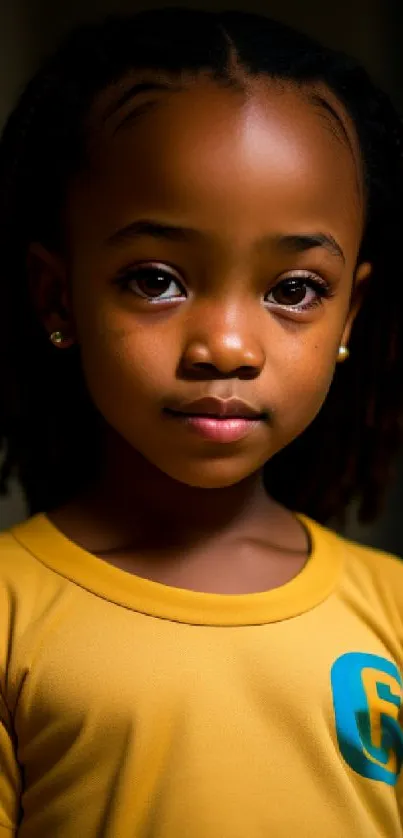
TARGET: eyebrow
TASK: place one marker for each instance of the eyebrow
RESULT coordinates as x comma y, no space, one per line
290,243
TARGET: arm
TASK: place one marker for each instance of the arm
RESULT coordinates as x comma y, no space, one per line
9,776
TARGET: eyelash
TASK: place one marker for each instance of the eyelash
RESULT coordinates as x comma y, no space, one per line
319,285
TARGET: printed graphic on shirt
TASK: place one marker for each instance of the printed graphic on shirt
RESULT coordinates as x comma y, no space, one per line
367,696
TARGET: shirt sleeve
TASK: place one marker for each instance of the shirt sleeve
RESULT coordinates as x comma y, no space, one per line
9,776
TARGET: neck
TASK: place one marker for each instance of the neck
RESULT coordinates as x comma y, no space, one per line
132,501
137,489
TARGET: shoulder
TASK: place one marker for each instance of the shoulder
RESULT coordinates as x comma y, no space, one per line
373,559
29,590
376,572
24,579
363,567
370,580
14,555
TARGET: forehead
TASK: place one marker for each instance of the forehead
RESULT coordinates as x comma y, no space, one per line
268,147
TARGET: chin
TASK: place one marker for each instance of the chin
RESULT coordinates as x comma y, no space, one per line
218,475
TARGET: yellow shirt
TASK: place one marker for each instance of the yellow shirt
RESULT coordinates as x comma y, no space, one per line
130,709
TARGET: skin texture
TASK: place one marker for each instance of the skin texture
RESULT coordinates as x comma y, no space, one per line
235,167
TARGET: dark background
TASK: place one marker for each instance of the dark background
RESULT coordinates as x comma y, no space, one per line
371,30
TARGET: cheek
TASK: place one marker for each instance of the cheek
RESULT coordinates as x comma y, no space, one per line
123,368
130,368
304,385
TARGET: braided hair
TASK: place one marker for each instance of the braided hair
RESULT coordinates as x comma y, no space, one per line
49,428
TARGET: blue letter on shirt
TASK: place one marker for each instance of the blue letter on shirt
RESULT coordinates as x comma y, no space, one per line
367,695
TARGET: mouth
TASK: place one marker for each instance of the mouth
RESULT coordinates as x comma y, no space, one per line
217,416
217,428
218,408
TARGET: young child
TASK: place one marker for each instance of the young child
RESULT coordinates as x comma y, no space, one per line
203,212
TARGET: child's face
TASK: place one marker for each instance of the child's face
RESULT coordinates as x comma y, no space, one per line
242,173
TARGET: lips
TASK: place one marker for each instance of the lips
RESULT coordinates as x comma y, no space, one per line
215,416
216,429
212,407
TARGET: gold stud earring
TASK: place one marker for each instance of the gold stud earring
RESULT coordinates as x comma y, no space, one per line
343,354
57,338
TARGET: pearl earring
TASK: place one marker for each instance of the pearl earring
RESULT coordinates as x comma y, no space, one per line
57,338
343,354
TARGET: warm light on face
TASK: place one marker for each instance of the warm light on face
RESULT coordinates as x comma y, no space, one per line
213,253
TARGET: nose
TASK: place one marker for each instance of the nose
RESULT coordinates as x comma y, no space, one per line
225,344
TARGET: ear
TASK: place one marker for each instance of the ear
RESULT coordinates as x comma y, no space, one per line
50,292
361,277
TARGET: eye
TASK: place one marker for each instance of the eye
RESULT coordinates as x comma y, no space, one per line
150,283
156,284
299,293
